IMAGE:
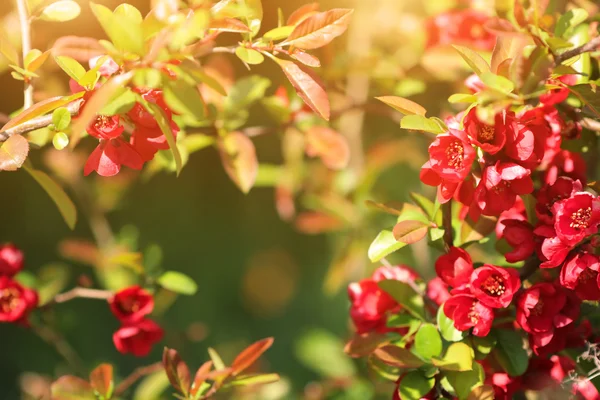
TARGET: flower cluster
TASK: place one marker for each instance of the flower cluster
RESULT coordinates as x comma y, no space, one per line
115,149
460,27
137,334
16,301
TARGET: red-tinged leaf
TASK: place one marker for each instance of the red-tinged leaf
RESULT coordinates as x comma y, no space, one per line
329,145
255,379
308,85
72,388
365,344
384,207
502,27
238,155
473,59
41,108
398,357
315,223
302,13
77,47
200,378
177,371
472,231
320,29
403,105
36,63
13,153
483,392
507,47
229,25
101,379
410,231
99,99
305,58
247,357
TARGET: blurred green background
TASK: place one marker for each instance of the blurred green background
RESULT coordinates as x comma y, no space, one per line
257,275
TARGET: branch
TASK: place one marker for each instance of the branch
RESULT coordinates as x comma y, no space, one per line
83,293
135,375
592,45
59,343
37,123
447,225
531,265
26,46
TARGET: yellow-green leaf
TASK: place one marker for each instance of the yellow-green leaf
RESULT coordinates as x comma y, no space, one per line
71,67
61,11
249,56
475,61
320,29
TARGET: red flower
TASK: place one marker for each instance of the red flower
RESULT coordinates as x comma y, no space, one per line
148,141
554,342
16,301
558,95
576,217
494,286
142,118
106,127
451,156
11,259
584,389
517,211
445,189
437,290
505,386
580,273
137,339
499,186
526,141
460,27
371,305
108,67
467,312
544,307
131,305
543,373
455,267
553,250
566,163
561,189
490,138
474,83
110,155
519,235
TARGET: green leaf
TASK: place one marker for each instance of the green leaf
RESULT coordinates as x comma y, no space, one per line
497,82
184,99
61,118
216,359
405,106
458,357
57,194
510,352
464,382
249,56
152,386
447,329
589,96
101,379
569,20
428,342
405,296
61,11
123,27
245,92
165,127
254,15
323,352
415,385
278,33
384,244
484,345
420,123
398,357
255,379
462,98
60,140
178,283
475,61
120,103
399,320
71,67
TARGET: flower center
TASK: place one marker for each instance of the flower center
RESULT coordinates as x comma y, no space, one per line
9,299
493,286
486,133
477,32
538,309
102,122
586,275
473,316
581,218
454,154
129,306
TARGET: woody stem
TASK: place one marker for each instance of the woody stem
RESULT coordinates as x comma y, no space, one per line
137,374
592,45
447,225
83,293
26,47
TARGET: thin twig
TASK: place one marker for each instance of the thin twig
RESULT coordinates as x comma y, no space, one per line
26,46
59,343
83,293
135,375
531,265
37,123
447,225
591,124
592,45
